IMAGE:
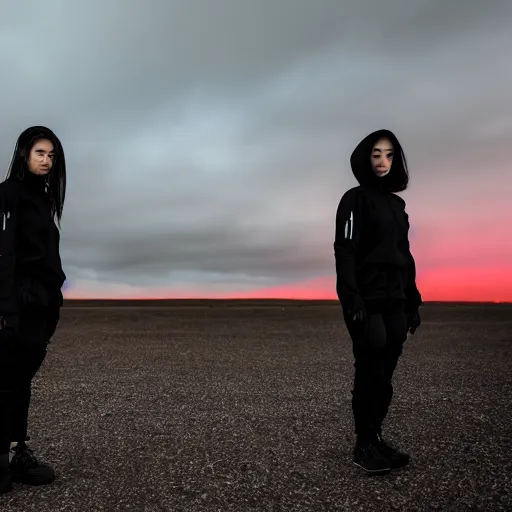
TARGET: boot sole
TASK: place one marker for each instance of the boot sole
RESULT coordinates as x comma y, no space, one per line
374,472
6,486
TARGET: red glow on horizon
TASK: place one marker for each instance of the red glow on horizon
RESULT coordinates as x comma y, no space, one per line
439,285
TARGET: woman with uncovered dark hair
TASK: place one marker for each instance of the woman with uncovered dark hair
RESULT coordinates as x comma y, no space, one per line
31,278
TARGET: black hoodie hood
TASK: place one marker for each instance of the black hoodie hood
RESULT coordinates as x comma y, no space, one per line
398,177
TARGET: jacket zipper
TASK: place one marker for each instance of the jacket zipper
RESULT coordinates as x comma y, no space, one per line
5,216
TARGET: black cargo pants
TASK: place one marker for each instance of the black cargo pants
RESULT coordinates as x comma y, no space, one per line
20,360
377,346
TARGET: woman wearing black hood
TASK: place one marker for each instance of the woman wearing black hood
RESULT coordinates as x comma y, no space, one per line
31,277
376,286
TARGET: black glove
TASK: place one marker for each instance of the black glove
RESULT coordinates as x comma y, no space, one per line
413,320
355,309
9,328
357,323
359,315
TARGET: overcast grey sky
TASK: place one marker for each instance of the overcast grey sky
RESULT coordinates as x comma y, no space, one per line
207,141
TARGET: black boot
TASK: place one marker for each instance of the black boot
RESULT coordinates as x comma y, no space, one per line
395,457
368,457
5,474
27,469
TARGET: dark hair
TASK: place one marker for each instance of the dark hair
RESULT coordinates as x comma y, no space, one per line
56,179
398,177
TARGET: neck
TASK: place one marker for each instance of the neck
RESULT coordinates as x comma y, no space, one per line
35,182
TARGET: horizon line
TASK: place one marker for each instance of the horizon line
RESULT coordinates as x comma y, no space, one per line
254,299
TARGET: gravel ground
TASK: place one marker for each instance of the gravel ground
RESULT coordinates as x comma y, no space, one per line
226,408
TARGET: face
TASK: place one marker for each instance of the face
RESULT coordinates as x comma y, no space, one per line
40,160
382,157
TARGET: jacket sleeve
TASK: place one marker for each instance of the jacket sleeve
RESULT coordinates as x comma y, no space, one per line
346,248
414,299
8,288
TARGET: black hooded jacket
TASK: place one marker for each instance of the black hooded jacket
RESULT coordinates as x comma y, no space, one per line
371,247
30,264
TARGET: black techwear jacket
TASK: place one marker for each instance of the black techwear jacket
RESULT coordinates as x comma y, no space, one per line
371,247
30,265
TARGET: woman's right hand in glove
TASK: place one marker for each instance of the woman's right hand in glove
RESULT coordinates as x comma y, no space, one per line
359,315
9,328
357,323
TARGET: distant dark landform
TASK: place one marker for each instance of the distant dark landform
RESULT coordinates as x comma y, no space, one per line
238,303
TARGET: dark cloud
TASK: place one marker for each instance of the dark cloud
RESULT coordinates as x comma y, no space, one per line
208,142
